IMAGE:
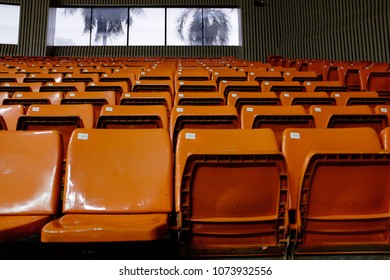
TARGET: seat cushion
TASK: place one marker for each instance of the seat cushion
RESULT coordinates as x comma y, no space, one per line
106,228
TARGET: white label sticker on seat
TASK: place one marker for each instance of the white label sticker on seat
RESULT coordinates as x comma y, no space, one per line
384,110
19,95
127,94
72,94
316,109
191,136
249,109
337,94
181,83
109,109
216,73
105,75
69,75
35,109
7,85
50,84
32,75
234,94
224,81
82,136
308,83
180,110
295,135
92,84
266,83
181,95
138,82
252,74
286,94
288,74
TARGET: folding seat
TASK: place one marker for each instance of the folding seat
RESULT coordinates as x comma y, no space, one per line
385,138
306,99
301,76
206,117
119,77
379,81
227,86
157,74
13,87
277,118
12,78
82,77
30,182
241,98
350,77
347,116
383,110
316,66
339,187
43,77
230,193
199,98
64,118
28,98
263,75
128,199
32,70
65,70
96,98
227,75
9,115
280,86
203,86
370,98
190,74
140,117
63,87
327,86
117,87
147,98
153,85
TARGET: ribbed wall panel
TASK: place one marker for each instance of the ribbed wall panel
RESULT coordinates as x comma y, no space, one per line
336,29
33,27
8,50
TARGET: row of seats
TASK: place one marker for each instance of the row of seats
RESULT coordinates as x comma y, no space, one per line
66,118
233,193
225,86
234,98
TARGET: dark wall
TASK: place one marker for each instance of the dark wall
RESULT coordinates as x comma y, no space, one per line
327,29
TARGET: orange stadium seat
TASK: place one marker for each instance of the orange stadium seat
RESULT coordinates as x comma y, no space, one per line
206,117
306,99
241,98
338,185
136,204
199,98
82,77
153,85
277,118
140,117
12,78
194,85
263,75
28,98
63,87
13,87
347,116
327,86
227,86
147,98
280,86
230,193
30,187
44,78
370,98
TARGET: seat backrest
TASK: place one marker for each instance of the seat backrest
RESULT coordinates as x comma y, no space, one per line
263,75
306,99
326,86
277,118
12,78
202,86
31,166
147,98
226,86
298,143
81,77
370,98
230,186
347,116
140,117
280,86
118,171
29,98
241,98
43,77
301,76
63,87
199,99
13,87
207,117
90,97
10,115
153,85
